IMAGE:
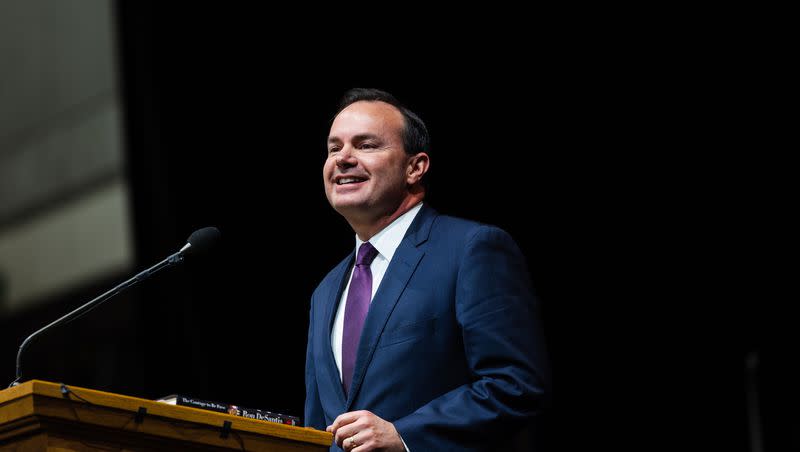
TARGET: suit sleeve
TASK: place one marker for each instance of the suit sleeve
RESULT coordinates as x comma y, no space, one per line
313,414
504,347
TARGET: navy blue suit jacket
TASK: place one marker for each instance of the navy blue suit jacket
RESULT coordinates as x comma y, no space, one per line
452,350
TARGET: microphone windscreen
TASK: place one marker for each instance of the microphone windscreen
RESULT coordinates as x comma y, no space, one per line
202,241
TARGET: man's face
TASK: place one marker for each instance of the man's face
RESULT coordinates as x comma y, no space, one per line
366,169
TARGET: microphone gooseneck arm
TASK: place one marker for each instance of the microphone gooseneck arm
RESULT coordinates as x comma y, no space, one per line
141,276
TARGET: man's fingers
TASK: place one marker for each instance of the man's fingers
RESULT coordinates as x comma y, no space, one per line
341,420
348,425
357,444
364,431
345,432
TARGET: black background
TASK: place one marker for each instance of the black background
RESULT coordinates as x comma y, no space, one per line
597,159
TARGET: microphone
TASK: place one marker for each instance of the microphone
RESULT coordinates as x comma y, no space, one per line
200,242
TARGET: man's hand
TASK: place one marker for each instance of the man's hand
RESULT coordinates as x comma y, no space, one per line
361,431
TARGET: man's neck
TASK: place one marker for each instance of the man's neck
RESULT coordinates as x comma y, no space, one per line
367,229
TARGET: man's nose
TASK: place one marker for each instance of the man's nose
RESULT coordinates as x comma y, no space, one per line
345,158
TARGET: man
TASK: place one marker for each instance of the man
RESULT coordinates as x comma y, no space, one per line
427,337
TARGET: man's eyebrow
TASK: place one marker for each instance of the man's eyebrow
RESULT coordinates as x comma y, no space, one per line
359,137
366,136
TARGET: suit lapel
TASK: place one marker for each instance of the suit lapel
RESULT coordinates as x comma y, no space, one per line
331,306
401,268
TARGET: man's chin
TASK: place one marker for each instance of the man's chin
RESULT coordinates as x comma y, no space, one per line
348,207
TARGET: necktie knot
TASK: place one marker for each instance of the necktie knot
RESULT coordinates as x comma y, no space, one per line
366,254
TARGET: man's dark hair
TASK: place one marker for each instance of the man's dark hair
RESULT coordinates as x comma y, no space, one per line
415,134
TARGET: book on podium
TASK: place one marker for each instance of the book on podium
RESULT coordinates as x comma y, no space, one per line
236,410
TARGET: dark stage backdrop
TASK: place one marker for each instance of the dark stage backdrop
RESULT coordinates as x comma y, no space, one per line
226,125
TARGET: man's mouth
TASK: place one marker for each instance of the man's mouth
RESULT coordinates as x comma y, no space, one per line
349,180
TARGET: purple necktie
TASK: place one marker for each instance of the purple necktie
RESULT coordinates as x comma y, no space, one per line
355,311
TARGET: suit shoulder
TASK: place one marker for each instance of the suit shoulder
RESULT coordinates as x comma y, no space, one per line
457,224
466,230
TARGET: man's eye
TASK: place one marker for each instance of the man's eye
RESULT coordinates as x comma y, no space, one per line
368,146
332,150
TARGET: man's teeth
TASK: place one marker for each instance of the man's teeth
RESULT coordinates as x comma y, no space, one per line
348,180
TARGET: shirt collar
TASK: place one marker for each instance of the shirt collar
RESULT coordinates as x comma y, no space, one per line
388,239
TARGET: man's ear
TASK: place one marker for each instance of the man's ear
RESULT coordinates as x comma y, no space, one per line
418,165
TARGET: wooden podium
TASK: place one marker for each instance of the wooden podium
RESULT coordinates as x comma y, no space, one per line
43,416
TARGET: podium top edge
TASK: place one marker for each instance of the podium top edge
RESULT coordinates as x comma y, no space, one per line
80,395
